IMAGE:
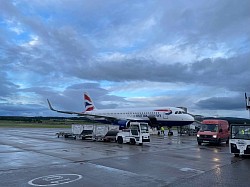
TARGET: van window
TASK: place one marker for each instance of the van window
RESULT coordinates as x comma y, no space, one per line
210,127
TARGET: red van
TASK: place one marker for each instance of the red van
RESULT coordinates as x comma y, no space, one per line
213,131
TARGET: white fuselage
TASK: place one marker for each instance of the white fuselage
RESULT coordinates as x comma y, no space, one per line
171,116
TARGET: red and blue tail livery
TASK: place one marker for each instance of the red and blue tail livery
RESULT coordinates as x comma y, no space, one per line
89,105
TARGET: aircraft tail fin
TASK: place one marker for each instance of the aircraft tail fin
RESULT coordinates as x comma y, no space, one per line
89,104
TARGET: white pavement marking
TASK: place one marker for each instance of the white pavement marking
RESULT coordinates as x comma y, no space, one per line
52,180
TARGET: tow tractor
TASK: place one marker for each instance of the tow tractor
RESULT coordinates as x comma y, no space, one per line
239,139
137,133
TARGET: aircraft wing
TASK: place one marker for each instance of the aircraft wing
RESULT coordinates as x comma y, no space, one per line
82,113
65,112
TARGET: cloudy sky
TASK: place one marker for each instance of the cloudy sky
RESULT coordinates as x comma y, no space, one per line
124,53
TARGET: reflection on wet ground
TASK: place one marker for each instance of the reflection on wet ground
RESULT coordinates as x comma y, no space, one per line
30,154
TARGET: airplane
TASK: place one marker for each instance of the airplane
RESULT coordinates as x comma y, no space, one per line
154,116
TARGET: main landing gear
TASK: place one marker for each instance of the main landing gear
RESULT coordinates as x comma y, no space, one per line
161,131
170,132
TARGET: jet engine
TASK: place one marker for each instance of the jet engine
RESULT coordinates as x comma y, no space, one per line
123,124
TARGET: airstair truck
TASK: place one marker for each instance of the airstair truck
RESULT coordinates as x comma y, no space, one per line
137,133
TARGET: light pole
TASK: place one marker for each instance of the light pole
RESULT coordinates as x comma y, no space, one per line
247,103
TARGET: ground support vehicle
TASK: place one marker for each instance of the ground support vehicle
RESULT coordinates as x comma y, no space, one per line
190,130
137,133
213,131
82,131
239,142
65,135
105,132
97,132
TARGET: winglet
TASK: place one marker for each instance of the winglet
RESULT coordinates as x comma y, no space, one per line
65,112
50,106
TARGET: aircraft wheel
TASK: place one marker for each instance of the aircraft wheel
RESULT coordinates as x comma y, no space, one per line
119,140
132,141
170,133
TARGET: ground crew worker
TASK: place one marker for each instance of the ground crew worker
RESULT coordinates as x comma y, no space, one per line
162,130
158,129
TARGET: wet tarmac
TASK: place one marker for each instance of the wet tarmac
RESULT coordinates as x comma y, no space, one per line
36,157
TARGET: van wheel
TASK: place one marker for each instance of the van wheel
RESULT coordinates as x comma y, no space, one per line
140,144
119,140
219,142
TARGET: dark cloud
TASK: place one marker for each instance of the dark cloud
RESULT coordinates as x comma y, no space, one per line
228,73
203,21
7,88
231,73
23,110
222,103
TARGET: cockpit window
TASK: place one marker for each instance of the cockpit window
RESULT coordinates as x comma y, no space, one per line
180,112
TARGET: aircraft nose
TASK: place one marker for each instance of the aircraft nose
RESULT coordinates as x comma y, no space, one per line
190,118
